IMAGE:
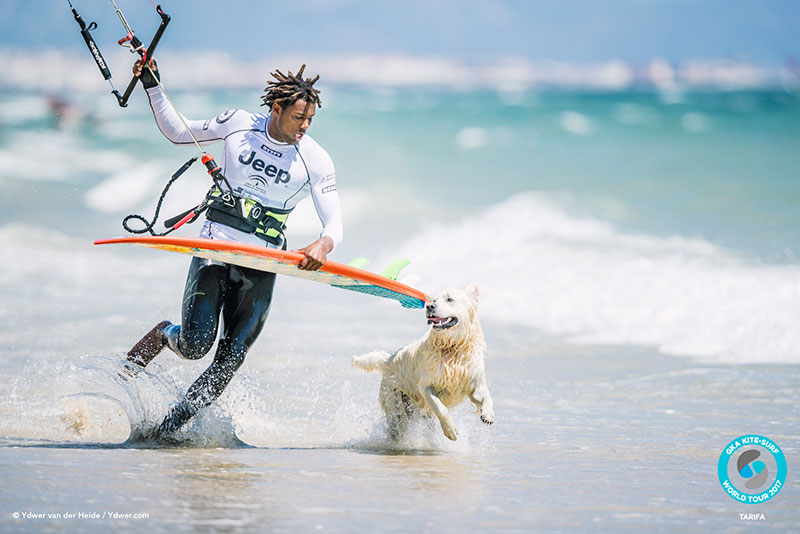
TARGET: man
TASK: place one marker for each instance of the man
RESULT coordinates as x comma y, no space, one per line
271,164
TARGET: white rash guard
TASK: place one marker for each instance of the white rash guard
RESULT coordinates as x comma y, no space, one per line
277,175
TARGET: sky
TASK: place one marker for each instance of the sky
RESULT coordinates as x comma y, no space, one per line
758,31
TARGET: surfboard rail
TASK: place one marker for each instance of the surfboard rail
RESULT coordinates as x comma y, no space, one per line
282,262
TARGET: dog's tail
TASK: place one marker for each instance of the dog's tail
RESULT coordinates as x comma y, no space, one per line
372,361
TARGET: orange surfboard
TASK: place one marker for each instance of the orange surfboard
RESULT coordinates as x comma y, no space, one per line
282,262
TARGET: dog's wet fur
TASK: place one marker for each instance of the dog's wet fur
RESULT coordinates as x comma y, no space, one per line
435,373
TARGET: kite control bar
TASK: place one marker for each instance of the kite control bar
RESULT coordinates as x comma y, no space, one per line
130,40
145,53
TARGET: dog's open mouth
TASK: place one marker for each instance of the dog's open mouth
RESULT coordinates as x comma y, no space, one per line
442,322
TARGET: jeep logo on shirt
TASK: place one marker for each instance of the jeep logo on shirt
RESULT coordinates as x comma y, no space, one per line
280,175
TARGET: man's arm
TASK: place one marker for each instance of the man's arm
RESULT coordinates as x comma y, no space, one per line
168,119
329,211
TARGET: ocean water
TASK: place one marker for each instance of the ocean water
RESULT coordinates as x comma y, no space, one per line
639,259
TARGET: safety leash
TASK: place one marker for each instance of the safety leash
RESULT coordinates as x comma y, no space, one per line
148,226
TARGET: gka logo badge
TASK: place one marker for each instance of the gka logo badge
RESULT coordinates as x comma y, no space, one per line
752,469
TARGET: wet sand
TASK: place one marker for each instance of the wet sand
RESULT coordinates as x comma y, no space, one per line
600,439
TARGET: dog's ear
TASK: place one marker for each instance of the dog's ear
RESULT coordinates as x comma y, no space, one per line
474,292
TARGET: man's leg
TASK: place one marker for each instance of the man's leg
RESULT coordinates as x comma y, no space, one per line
202,300
246,304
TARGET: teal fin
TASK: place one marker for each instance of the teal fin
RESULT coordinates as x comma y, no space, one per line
392,271
358,263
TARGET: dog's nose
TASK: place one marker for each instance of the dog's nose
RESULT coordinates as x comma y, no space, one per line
429,307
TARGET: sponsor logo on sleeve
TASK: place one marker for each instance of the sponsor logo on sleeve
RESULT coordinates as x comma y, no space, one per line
224,117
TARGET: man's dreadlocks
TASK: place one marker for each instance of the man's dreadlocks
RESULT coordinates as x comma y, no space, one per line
286,90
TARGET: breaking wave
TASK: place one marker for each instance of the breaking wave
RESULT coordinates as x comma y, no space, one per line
587,281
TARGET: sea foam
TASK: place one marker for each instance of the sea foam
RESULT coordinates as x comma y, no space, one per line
587,281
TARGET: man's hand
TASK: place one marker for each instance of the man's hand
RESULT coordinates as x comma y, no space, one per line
146,75
315,254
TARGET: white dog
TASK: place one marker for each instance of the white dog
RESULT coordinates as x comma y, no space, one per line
434,374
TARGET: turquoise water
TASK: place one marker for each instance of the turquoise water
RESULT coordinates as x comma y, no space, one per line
718,166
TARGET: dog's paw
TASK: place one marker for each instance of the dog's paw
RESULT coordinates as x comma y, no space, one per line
450,431
487,418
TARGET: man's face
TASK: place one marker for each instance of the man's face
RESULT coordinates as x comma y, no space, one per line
288,125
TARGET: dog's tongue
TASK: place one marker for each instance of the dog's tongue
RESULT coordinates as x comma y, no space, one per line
436,320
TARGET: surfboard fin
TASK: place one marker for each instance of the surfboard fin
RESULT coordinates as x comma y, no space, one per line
392,271
358,263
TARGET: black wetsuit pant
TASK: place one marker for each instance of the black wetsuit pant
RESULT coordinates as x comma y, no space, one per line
243,297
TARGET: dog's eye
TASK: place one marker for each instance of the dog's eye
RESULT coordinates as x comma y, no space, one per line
450,299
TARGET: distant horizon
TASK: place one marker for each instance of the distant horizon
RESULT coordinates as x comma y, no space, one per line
635,31
47,70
